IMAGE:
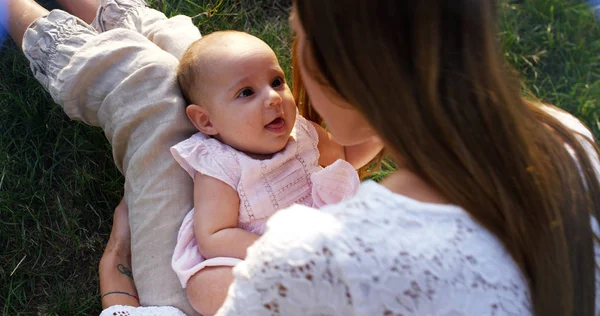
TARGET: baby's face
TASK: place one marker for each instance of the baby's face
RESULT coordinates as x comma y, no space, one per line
248,100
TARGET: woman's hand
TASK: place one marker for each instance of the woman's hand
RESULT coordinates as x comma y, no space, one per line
116,280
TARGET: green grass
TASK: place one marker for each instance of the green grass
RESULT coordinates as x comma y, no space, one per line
555,44
58,185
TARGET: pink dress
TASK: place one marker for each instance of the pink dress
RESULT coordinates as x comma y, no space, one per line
291,176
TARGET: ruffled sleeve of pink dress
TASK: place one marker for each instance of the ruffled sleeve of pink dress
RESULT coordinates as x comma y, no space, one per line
210,157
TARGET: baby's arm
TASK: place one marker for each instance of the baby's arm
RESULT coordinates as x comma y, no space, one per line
357,155
216,208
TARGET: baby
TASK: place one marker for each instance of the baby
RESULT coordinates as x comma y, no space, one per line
254,154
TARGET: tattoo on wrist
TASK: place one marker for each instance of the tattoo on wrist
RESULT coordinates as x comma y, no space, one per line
124,270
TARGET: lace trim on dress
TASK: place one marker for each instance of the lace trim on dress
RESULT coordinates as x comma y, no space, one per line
121,310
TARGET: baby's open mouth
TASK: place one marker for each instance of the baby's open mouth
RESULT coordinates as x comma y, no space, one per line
276,125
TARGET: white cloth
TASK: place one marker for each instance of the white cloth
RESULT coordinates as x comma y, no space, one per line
122,310
378,253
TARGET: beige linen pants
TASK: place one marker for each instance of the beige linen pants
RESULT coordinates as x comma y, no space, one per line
121,76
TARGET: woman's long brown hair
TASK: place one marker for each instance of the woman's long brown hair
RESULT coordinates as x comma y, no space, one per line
430,78
302,99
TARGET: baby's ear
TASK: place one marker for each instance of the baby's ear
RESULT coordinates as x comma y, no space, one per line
201,119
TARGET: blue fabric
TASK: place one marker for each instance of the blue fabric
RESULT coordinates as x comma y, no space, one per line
595,4
3,18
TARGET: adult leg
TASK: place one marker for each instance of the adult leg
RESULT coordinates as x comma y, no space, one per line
20,15
84,9
173,35
122,82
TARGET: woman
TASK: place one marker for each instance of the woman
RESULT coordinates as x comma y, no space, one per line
491,209
429,79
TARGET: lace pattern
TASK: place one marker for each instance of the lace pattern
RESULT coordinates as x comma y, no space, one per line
418,259
120,310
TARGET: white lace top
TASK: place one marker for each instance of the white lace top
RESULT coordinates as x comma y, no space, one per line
416,259
379,253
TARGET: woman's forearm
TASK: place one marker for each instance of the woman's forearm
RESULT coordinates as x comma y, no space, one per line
116,281
228,242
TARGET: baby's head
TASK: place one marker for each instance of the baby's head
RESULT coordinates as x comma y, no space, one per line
237,93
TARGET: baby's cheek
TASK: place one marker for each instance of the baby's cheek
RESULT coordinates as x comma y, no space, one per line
248,124
244,128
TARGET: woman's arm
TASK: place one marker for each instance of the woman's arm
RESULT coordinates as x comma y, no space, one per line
116,281
216,212
357,155
117,289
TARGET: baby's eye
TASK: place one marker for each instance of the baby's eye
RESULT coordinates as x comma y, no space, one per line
246,92
278,82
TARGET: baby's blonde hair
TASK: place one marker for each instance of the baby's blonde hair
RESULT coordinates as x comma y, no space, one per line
189,73
186,72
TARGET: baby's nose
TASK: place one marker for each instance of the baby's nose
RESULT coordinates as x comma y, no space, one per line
273,98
